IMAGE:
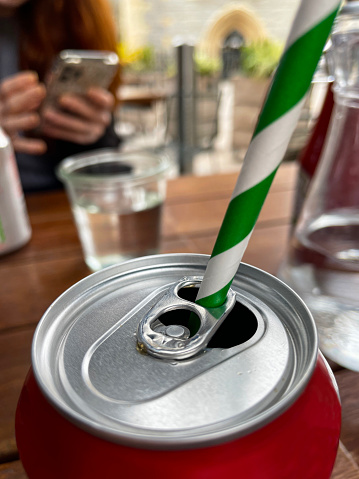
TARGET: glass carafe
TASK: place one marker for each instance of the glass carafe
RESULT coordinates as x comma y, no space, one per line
322,263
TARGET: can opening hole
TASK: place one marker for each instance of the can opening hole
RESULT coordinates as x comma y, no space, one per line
239,326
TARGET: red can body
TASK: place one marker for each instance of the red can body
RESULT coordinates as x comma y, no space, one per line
300,444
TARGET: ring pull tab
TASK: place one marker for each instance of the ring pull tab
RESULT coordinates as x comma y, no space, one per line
174,341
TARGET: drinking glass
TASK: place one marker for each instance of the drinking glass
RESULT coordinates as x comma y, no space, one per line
117,201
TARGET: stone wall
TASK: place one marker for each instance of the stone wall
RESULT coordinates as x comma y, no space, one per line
161,22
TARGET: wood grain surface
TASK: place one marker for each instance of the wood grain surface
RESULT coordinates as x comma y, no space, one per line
33,277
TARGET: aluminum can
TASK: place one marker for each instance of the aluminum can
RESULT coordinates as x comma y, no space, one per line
15,230
258,401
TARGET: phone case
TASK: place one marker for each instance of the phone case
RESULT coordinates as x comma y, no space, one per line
74,71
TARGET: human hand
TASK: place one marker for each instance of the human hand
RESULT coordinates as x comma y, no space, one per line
82,119
20,98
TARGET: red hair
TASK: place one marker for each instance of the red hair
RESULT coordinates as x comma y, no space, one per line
49,26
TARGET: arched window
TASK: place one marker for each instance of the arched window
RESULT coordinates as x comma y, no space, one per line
231,53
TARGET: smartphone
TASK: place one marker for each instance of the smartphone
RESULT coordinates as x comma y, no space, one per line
74,71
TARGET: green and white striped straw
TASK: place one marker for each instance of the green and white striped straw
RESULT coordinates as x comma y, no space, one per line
276,123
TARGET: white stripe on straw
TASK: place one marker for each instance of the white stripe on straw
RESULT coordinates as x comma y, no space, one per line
274,143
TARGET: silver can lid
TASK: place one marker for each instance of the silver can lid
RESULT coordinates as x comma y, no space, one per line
87,362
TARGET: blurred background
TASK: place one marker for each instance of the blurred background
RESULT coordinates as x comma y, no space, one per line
195,74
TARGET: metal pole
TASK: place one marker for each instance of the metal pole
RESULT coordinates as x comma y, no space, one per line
185,106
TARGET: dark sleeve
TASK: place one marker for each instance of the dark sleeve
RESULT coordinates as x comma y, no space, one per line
38,172
62,149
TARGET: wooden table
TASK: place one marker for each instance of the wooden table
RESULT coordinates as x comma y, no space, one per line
34,276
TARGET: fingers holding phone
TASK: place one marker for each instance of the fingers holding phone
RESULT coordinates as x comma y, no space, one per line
20,98
80,118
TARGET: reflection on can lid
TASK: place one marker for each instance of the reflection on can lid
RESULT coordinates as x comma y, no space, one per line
87,362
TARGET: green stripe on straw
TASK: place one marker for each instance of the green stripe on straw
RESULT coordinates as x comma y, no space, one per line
241,215
2,233
275,126
294,73
215,299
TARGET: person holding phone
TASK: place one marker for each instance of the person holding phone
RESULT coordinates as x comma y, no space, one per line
32,33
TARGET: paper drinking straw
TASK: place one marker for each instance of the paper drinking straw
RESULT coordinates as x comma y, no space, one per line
276,123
